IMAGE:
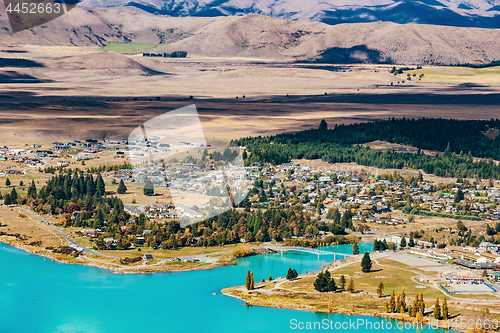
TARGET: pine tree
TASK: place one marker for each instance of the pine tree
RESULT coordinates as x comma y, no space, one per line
322,281
366,263
445,309
122,189
331,285
459,196
336,217
403,242
149,188
13,197
97,224
437,309
323,126
342,282
289,274
411,243
270,277
32,189
7,182
350,288
100,186
295,274
355,248
6,200
380,289
346,219
90,185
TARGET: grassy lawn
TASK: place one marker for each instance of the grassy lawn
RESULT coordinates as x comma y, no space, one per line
300,293
128,48
458,75
347,303
397,277
180,252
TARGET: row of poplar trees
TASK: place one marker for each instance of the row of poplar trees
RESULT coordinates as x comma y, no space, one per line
397,304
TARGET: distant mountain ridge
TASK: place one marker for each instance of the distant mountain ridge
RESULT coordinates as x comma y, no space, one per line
460,13
258,36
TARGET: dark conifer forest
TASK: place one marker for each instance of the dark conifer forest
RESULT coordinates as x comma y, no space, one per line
456,143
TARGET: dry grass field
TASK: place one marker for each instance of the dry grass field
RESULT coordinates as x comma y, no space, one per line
60,93
80,104
428,224
17,222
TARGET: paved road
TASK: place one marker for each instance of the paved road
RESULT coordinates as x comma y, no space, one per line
71,242
207,258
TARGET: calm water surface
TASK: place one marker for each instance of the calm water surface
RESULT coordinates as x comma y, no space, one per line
39,295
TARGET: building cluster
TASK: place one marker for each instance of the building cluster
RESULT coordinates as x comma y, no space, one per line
163,211
373,195
59,153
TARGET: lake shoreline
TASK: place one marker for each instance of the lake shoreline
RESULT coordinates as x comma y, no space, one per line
93,261
111,267
230,292
217,278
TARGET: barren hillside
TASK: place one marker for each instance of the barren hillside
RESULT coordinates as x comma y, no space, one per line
459,13
265,37
262,36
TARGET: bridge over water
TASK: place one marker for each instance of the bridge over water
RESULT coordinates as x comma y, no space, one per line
308,250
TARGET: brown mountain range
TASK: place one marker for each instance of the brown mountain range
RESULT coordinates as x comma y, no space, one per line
260,36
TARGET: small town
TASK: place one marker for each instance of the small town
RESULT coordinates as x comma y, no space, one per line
446,231
256,166
378,203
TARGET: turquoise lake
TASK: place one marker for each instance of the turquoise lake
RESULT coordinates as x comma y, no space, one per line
40,295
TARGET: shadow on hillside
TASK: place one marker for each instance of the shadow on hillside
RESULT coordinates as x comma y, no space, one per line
152,72
14,97
20,63
15,77
470,85
358,54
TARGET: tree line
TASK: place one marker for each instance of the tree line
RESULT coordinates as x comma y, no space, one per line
79,198
456,139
